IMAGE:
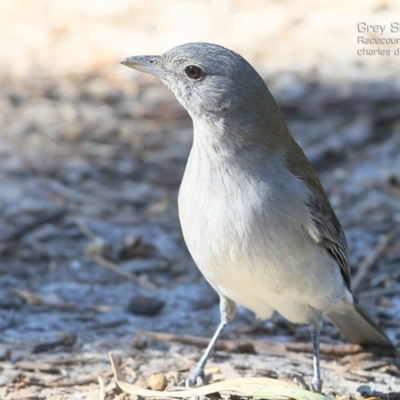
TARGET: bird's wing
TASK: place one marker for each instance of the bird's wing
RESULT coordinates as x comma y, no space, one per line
325,228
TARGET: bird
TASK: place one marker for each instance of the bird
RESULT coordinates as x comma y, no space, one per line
254,215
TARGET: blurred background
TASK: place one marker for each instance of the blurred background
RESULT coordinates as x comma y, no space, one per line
92,154
311,37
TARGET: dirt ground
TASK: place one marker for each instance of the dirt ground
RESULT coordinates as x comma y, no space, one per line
91,255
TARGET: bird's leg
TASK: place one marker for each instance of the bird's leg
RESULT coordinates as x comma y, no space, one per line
316,383
197,376
227,311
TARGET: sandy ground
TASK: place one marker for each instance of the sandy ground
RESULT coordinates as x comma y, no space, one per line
92,153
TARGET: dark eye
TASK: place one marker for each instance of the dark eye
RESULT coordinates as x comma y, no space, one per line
194,72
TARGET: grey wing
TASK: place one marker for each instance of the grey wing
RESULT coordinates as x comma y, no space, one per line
325,228
327,231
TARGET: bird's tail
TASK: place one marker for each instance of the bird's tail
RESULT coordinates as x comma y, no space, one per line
359,327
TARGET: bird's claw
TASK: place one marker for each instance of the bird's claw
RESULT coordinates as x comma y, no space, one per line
314,386
197,378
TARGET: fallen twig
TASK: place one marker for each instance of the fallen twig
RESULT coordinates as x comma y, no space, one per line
102,393
100,260
259,346
114,268
368,263
61,339
231,346
23,229
338,350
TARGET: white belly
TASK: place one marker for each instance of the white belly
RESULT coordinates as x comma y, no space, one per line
253,254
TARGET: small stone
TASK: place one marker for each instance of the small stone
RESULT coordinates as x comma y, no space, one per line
5,353
158,382
365,391
139,342
147,306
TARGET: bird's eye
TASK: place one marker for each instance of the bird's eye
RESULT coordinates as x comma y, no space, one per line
193,72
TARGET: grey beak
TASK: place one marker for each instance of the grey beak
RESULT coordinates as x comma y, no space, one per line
147,64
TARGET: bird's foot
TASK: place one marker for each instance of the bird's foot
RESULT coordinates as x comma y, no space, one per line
197,378
314,386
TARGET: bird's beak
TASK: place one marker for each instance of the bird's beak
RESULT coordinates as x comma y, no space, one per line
147,64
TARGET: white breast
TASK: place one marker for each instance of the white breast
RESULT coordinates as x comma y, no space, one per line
247,235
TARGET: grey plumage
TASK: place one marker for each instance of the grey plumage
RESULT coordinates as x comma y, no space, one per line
254,215
359,327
